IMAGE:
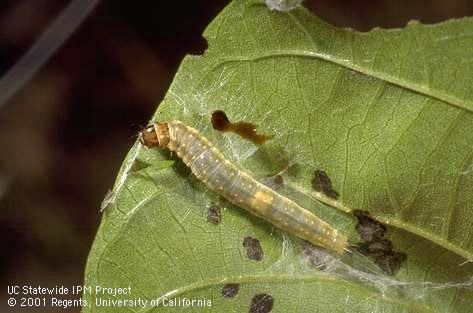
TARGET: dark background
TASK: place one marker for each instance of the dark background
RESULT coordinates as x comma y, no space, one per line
64,135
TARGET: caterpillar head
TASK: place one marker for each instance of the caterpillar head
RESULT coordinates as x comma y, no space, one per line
155,135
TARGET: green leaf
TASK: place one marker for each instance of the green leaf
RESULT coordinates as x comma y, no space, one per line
387,114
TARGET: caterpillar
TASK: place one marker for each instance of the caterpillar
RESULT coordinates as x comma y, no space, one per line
209,165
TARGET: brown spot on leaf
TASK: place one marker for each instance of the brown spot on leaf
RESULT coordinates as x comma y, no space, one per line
274,181
368,228
230,290
278,180
390,262
322,183
375,246
253,248
245,130
261,303
214,215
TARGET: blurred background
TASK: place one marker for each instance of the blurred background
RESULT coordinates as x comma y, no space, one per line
64,134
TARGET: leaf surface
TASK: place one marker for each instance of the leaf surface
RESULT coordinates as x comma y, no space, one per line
387,114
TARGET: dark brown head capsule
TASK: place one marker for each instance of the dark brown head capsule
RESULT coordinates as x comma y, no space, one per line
155,135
